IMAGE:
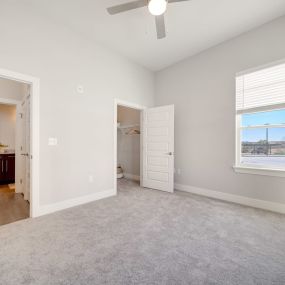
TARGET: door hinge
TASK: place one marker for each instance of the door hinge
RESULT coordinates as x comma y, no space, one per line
21,181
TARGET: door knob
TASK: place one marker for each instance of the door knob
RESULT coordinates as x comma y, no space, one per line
170,153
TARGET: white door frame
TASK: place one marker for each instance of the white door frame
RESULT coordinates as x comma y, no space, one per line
118,102
35,133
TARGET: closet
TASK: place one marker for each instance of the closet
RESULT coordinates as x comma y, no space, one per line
128,143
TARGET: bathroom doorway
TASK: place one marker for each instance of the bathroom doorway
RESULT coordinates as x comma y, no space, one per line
31,151
14,151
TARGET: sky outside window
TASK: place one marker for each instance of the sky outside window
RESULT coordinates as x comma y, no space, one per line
263,118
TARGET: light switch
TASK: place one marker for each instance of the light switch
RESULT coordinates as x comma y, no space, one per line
52,141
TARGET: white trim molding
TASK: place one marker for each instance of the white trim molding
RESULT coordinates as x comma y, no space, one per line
35,133
51,208
242,200
259,171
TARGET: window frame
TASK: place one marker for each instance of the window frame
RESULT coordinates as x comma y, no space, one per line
247,168
254,168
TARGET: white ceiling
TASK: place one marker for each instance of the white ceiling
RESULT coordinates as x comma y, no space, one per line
191,26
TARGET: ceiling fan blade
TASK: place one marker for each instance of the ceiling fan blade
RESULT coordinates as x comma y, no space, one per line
173,1
127,6
160,26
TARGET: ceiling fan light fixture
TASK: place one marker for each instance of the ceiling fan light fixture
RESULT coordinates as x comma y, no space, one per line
157,7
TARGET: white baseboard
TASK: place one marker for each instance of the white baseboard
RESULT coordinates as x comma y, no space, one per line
51,208
242,200
132,176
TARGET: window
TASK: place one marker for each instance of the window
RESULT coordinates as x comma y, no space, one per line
260,117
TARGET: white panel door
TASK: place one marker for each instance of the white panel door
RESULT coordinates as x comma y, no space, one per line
158,148
27,151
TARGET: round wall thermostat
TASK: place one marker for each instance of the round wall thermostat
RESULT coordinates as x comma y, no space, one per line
80,89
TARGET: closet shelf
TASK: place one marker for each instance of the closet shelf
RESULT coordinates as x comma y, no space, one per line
133,129
122,127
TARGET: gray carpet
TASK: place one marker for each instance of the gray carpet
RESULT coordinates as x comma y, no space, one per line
146,237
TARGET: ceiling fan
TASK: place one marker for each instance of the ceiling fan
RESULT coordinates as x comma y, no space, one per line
156,7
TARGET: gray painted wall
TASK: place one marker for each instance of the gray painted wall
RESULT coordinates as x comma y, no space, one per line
83,123
203,91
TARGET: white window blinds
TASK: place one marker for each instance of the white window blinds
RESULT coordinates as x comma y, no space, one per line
261,90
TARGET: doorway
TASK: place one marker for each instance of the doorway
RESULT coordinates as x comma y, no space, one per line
20,174
127,142
14,150
156,144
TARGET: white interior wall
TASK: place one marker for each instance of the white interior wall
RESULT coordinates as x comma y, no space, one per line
8,125
83,123
129,145
203,91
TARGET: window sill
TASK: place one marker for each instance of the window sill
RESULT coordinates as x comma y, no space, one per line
259,170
